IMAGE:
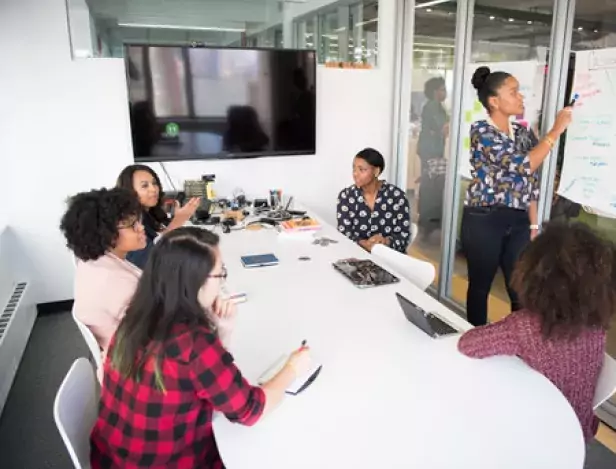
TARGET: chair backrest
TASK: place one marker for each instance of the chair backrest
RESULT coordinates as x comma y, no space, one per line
419,273
414,233
88,336
606,386
75,411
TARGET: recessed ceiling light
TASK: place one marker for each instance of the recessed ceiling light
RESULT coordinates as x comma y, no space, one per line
181,27
511,20
491,17
580,29
429,10
596,31
529,22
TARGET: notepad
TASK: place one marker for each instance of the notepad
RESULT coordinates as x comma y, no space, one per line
297,386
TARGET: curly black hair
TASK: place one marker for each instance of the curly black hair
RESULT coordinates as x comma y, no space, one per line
90,224
566,277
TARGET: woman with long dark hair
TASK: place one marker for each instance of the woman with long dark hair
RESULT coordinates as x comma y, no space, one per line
144,182
500,214
167,369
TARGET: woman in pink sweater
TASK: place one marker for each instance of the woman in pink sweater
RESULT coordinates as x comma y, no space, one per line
565,280
101,227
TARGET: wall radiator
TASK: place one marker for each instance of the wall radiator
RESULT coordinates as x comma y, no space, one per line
17,316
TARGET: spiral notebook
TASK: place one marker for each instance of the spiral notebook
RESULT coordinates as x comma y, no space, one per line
297,386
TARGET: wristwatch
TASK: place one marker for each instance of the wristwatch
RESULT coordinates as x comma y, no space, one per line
535,227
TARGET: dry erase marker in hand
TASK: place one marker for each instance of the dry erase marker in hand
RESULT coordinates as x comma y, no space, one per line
575,98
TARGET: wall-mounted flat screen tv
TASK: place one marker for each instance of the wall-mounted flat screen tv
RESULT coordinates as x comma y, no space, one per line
191,103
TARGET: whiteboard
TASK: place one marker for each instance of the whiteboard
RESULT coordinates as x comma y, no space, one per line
530,74
589,169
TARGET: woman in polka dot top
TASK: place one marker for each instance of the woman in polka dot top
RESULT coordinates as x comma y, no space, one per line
372,211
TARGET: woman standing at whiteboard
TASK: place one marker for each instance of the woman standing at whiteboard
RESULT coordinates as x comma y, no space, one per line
500,213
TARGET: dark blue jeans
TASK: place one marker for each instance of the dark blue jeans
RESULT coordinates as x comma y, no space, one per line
492,237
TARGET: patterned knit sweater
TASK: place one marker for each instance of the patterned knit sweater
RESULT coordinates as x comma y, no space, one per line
572,365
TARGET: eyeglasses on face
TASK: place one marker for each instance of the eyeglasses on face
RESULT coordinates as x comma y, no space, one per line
222,275
136,225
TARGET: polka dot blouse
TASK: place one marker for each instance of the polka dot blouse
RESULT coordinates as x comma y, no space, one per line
390,217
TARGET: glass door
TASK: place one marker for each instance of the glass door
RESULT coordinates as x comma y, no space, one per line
428,124
515,39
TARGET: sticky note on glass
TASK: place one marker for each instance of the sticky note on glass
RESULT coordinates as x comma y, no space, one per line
477,107
467,142
468,117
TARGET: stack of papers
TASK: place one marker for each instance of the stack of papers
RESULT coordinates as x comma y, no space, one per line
300,225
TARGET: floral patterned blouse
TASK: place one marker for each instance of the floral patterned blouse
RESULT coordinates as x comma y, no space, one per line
390,217
501,173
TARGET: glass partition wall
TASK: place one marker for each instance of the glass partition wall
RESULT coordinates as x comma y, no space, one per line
445,41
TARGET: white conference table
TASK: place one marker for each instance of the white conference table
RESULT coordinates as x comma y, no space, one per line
388,395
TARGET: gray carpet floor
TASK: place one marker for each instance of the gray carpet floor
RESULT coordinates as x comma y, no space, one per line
28,435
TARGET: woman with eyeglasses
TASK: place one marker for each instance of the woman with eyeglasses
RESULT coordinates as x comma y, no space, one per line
145,184
167,370
101,227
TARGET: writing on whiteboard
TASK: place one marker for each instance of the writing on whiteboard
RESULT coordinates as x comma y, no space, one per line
599,60
589,170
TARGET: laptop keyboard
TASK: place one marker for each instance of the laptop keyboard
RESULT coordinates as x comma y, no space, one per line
439,326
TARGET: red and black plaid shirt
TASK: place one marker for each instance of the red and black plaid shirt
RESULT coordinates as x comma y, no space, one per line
140,426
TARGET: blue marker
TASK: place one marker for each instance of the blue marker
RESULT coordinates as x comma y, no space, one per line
575,98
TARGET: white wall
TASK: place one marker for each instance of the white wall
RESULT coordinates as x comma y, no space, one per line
67,130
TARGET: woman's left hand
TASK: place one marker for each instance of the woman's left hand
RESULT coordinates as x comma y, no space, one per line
533,234
379,239
183,214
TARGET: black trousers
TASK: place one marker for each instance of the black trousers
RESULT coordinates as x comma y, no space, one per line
492,237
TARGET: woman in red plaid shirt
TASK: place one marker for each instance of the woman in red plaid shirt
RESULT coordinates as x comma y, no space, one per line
167,370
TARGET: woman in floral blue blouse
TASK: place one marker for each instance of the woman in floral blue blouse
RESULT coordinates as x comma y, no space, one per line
372,211
500,213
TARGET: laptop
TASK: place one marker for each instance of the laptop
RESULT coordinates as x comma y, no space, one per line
364,273
431,324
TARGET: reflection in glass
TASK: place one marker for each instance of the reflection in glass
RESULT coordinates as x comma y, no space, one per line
432,78
204,102
431,152
329,47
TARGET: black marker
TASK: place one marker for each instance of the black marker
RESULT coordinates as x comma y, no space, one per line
575,98
303,344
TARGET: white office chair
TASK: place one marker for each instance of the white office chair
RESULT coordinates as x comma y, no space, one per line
419,273
606,386
75,411
414,233
88,336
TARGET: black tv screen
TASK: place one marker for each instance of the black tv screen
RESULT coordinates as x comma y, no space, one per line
200,102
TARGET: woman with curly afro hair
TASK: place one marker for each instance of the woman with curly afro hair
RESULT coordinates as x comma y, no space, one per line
565,280
101,227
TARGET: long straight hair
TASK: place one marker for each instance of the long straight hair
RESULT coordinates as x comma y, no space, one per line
156,218
167,295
